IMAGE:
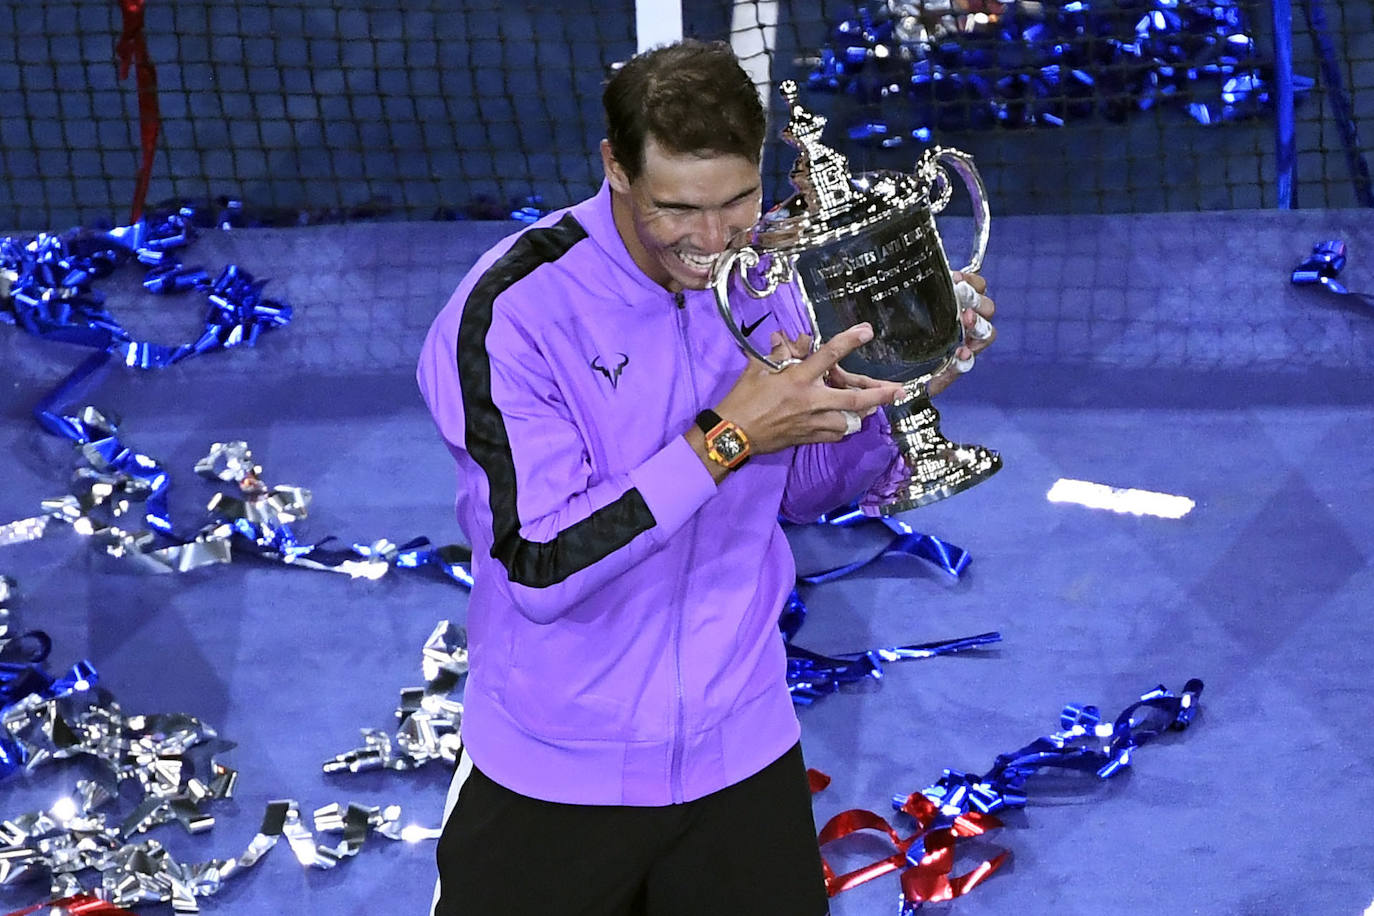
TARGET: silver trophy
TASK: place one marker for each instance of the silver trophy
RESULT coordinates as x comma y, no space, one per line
866,248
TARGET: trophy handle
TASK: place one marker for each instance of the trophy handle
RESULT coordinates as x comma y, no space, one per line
933,166
740,260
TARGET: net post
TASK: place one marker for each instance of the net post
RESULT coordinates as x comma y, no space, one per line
1285,140
657,22
753,35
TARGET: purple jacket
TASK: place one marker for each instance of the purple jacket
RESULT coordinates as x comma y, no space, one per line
623,624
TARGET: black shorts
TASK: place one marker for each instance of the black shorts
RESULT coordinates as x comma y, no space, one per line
748,849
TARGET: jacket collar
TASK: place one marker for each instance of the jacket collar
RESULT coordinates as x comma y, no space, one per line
596,217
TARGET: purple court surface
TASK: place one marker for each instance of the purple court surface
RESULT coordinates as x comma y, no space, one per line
1168,353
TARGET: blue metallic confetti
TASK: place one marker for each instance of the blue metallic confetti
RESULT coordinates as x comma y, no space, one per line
25,684
452,561
974,66
1323,266
960,806
530,210
1084,742
47,289
111,469
811,675
950,558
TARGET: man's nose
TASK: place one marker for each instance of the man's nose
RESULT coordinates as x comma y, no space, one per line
714,233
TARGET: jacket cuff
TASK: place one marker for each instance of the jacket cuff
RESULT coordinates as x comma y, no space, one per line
674,484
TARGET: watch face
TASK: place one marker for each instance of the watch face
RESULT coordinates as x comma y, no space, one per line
729,445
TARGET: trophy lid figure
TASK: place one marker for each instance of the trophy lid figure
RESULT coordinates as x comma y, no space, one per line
821,174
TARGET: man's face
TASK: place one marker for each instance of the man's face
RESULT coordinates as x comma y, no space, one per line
681,210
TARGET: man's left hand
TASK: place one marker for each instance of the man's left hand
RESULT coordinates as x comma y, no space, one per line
978,330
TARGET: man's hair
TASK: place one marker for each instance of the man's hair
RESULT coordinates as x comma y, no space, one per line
691,97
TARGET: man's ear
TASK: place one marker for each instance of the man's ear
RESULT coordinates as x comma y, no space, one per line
615,172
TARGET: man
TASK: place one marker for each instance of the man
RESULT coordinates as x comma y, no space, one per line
630,746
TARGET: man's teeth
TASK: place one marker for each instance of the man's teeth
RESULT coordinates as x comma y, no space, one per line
698,261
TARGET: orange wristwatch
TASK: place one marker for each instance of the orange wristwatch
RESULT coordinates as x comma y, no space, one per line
726,443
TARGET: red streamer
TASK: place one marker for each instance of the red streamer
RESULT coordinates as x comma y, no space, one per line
927,881
132,51
80,905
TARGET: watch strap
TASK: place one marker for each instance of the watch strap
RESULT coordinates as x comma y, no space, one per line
708,420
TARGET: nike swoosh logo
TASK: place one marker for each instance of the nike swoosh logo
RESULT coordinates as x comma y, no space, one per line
751,328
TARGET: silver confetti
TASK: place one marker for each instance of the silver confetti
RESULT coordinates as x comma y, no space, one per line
430,719
170,758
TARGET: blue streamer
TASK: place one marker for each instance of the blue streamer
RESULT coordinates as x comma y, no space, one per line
1084,743
102,448
530,210
811,675
950,558
452,560
793,616
51,293
1322,268
21,681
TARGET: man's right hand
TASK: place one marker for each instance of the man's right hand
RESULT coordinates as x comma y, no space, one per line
778,410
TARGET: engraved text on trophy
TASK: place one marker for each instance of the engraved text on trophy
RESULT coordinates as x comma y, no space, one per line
894,276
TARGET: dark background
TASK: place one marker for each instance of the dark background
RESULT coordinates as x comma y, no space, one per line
424,109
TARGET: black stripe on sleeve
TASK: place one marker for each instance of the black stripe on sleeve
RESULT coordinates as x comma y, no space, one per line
532,563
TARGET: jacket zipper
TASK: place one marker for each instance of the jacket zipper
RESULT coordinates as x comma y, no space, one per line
679,736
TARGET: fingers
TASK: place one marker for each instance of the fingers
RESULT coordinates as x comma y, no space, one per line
979,284
842,378
979,333
838,424
970,302
972,299
882,392
835,349
785,352
975,310
861,401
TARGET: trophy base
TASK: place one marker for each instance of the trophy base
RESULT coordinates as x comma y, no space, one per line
939,468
